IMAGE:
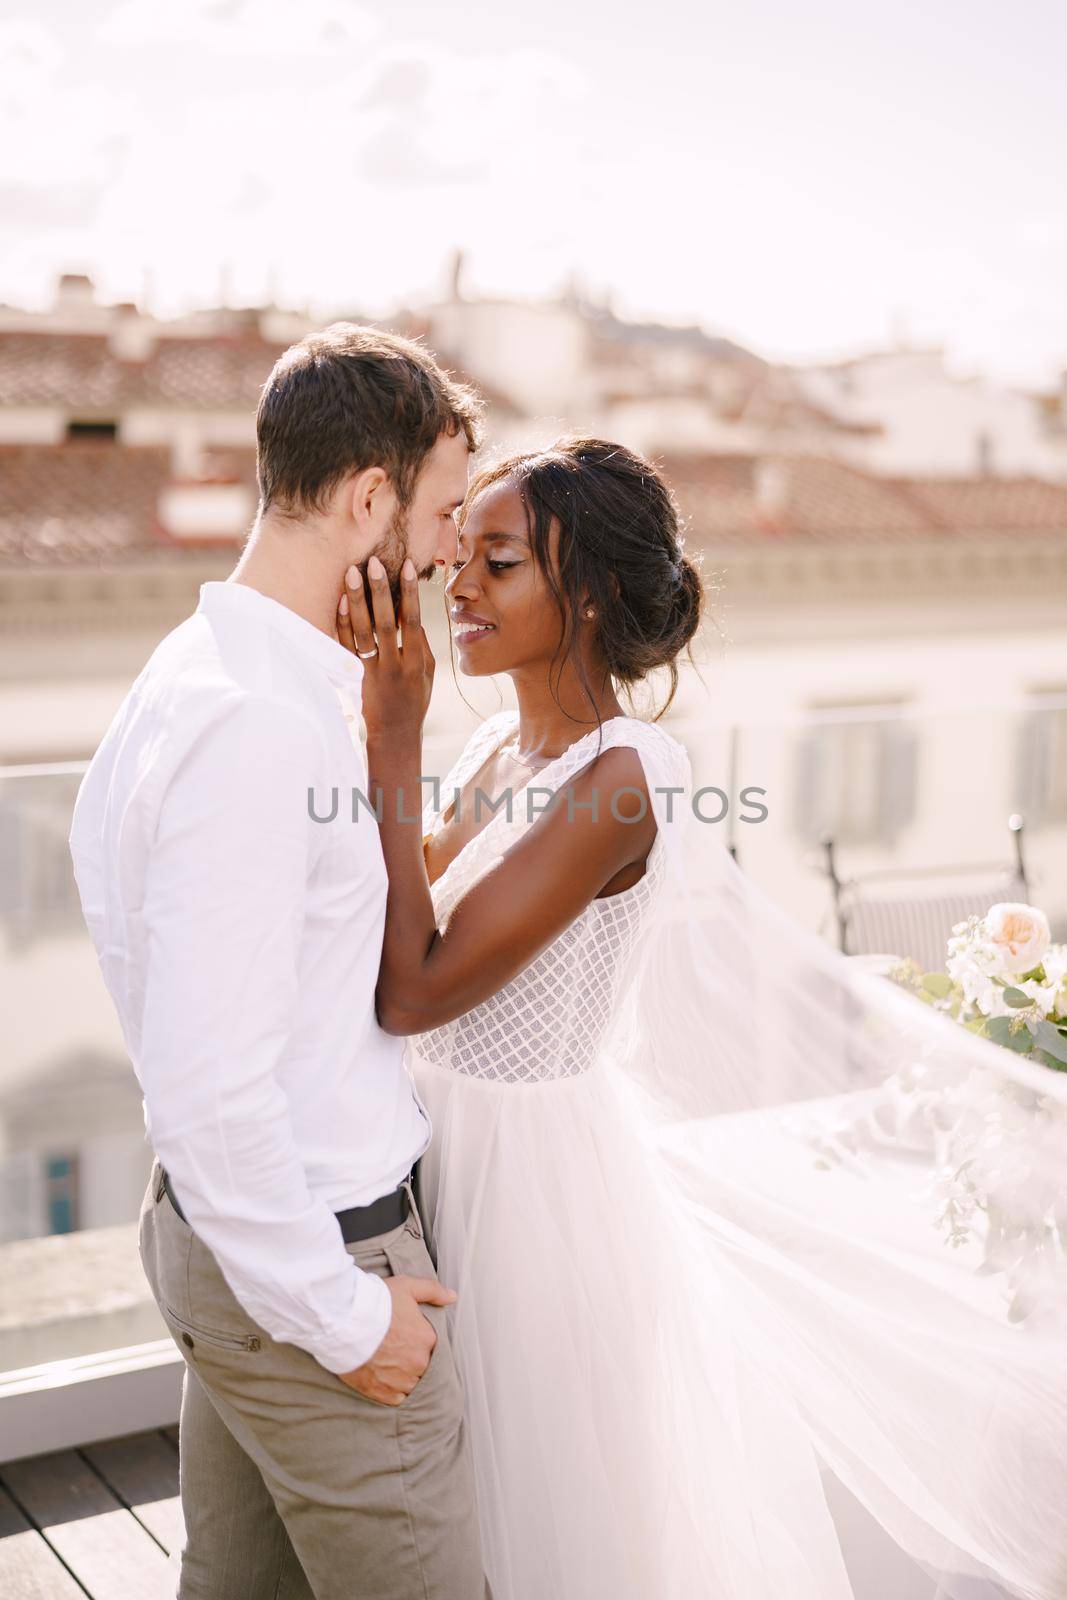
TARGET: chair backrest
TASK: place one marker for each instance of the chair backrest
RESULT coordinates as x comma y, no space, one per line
915,922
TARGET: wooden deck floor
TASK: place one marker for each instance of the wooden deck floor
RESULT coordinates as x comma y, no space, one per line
100,1521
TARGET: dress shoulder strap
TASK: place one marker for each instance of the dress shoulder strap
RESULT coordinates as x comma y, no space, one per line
481,744
665,760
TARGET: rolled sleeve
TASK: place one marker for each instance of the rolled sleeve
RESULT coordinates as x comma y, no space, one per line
224,910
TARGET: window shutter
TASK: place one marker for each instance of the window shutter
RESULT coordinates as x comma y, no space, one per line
807,821
1032,767
899,779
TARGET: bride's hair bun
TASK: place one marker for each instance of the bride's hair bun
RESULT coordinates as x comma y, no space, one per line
688,599
620,551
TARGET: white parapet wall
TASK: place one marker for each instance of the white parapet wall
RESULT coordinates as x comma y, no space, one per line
206,510
63,1404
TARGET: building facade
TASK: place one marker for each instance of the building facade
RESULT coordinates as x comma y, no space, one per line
885,657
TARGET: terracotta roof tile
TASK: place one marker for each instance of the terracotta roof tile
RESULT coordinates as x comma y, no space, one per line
229,463
77,503
93,503
73,370
807,499
991,505
81,372
219,371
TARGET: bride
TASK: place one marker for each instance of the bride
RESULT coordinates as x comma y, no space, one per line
681,1169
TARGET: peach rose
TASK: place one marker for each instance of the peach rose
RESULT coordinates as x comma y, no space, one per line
1021,934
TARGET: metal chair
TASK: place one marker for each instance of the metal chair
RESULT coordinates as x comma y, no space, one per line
912,912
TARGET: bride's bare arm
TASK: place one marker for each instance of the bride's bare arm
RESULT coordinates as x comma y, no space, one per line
518,908
560,864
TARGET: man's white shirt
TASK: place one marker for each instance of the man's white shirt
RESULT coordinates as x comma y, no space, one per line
240,941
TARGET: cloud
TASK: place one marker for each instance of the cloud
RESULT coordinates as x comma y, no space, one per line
348,173
401,156
1044,232
25,205
56,130
31,55
440,117
398,84
245,27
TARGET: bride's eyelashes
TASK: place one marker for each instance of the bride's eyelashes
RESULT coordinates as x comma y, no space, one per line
494,566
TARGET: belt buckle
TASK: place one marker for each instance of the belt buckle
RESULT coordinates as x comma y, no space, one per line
412,1222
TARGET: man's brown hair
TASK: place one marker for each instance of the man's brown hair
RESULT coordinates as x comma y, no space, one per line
350,398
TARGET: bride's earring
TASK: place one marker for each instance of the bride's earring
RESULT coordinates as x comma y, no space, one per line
590,613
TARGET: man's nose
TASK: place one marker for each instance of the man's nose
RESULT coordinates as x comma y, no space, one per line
448,548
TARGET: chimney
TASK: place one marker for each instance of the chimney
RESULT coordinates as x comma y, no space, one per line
771,489
74,292
132,336
455,275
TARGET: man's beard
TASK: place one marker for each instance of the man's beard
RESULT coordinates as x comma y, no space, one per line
392,553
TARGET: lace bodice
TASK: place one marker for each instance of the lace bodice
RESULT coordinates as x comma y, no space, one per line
548,1022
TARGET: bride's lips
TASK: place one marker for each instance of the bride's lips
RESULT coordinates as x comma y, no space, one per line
467,626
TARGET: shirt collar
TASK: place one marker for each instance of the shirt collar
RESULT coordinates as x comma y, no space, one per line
342,667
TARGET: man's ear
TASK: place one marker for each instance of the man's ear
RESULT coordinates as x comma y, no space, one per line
372,500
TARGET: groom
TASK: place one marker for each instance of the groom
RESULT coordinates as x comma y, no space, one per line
323,1449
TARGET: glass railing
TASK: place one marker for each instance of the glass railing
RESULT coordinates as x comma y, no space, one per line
914,808
72,1150
73,1158
920,801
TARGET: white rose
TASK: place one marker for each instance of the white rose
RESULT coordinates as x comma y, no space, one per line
1020,933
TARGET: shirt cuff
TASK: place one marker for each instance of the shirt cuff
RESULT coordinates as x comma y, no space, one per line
372,1307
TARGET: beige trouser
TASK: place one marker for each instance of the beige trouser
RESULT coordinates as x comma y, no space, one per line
293,1485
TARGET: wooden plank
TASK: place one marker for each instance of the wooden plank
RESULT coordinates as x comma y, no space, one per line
142,1471
29,1567
102,1543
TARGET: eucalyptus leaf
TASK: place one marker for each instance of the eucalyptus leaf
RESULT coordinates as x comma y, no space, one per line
1016,997
938,984
1051,1040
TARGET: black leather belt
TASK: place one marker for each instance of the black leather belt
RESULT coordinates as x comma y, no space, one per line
358,1222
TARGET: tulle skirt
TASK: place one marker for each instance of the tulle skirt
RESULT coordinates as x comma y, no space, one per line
669,1376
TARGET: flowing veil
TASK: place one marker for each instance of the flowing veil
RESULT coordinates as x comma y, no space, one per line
817,1128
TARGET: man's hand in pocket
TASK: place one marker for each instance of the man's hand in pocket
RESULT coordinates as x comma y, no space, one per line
404,1354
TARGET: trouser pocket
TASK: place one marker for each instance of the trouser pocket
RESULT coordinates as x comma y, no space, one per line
403,1253
192,1333
436,1396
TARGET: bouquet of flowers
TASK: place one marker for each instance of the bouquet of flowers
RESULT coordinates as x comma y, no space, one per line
1004,979
997,1144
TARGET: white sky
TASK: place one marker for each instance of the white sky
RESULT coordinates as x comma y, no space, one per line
802,175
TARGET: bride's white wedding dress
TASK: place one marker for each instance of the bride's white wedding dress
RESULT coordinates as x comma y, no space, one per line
671,1324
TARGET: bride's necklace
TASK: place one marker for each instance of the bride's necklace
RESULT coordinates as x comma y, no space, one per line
510,748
